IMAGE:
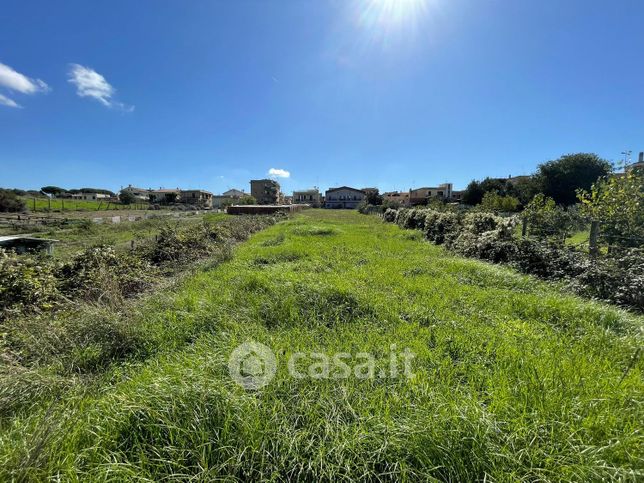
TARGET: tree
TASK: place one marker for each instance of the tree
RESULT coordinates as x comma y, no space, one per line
618,203
547,219
52,190
374,198
495,202
525,189
10,203
247,200
473,194
127,197
561,178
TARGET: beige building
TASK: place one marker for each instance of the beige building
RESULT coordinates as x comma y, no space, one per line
266,191
87,196
343,197
311,197
165,196
400,197
420,196
199,198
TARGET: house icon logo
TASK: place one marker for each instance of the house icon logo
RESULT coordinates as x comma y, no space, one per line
252,365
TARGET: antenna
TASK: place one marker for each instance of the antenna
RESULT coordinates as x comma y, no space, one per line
627,156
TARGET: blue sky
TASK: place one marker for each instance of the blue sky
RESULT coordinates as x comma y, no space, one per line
387,93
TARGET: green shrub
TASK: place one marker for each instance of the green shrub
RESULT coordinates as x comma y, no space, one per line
440,226
478,223
28,283
9,202
101,274
547,220
390,215
618,278
496,245
411,218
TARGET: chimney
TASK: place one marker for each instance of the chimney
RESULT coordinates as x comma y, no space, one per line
641,158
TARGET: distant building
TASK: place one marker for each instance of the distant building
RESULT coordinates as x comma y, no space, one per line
638,165
266,191
165,196
400,197
420,196
91,196
141,194
343,197
234,193
199,198
309,197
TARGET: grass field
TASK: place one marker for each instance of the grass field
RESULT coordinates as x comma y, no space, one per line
36,205
513,379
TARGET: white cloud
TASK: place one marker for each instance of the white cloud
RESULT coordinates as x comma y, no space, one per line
16,81
279,173
90,83
5,101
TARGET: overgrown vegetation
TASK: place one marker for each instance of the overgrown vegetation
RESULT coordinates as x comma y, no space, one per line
10,202
618,278
513,379
103,275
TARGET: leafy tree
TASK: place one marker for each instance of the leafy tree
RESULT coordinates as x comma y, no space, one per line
127,197
561,178
495,202
10,203
247,200
394,205
547,219
473,194
525,189
618,203
374,198
52,190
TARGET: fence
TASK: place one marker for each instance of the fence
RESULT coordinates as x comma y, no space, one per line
24,221
594,235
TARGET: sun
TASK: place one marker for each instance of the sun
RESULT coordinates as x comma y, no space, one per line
382,19
394,12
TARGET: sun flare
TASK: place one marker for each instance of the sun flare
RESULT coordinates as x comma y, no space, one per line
392,12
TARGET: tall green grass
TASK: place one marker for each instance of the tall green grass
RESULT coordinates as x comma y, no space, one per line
513,379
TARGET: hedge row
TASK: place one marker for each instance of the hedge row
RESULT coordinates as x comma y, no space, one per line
618,278
101,274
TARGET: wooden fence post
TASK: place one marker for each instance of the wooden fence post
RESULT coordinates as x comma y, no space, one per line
593,249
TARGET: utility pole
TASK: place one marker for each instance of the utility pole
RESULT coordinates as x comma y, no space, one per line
627,158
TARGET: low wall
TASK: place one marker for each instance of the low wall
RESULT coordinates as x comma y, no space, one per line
264,209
